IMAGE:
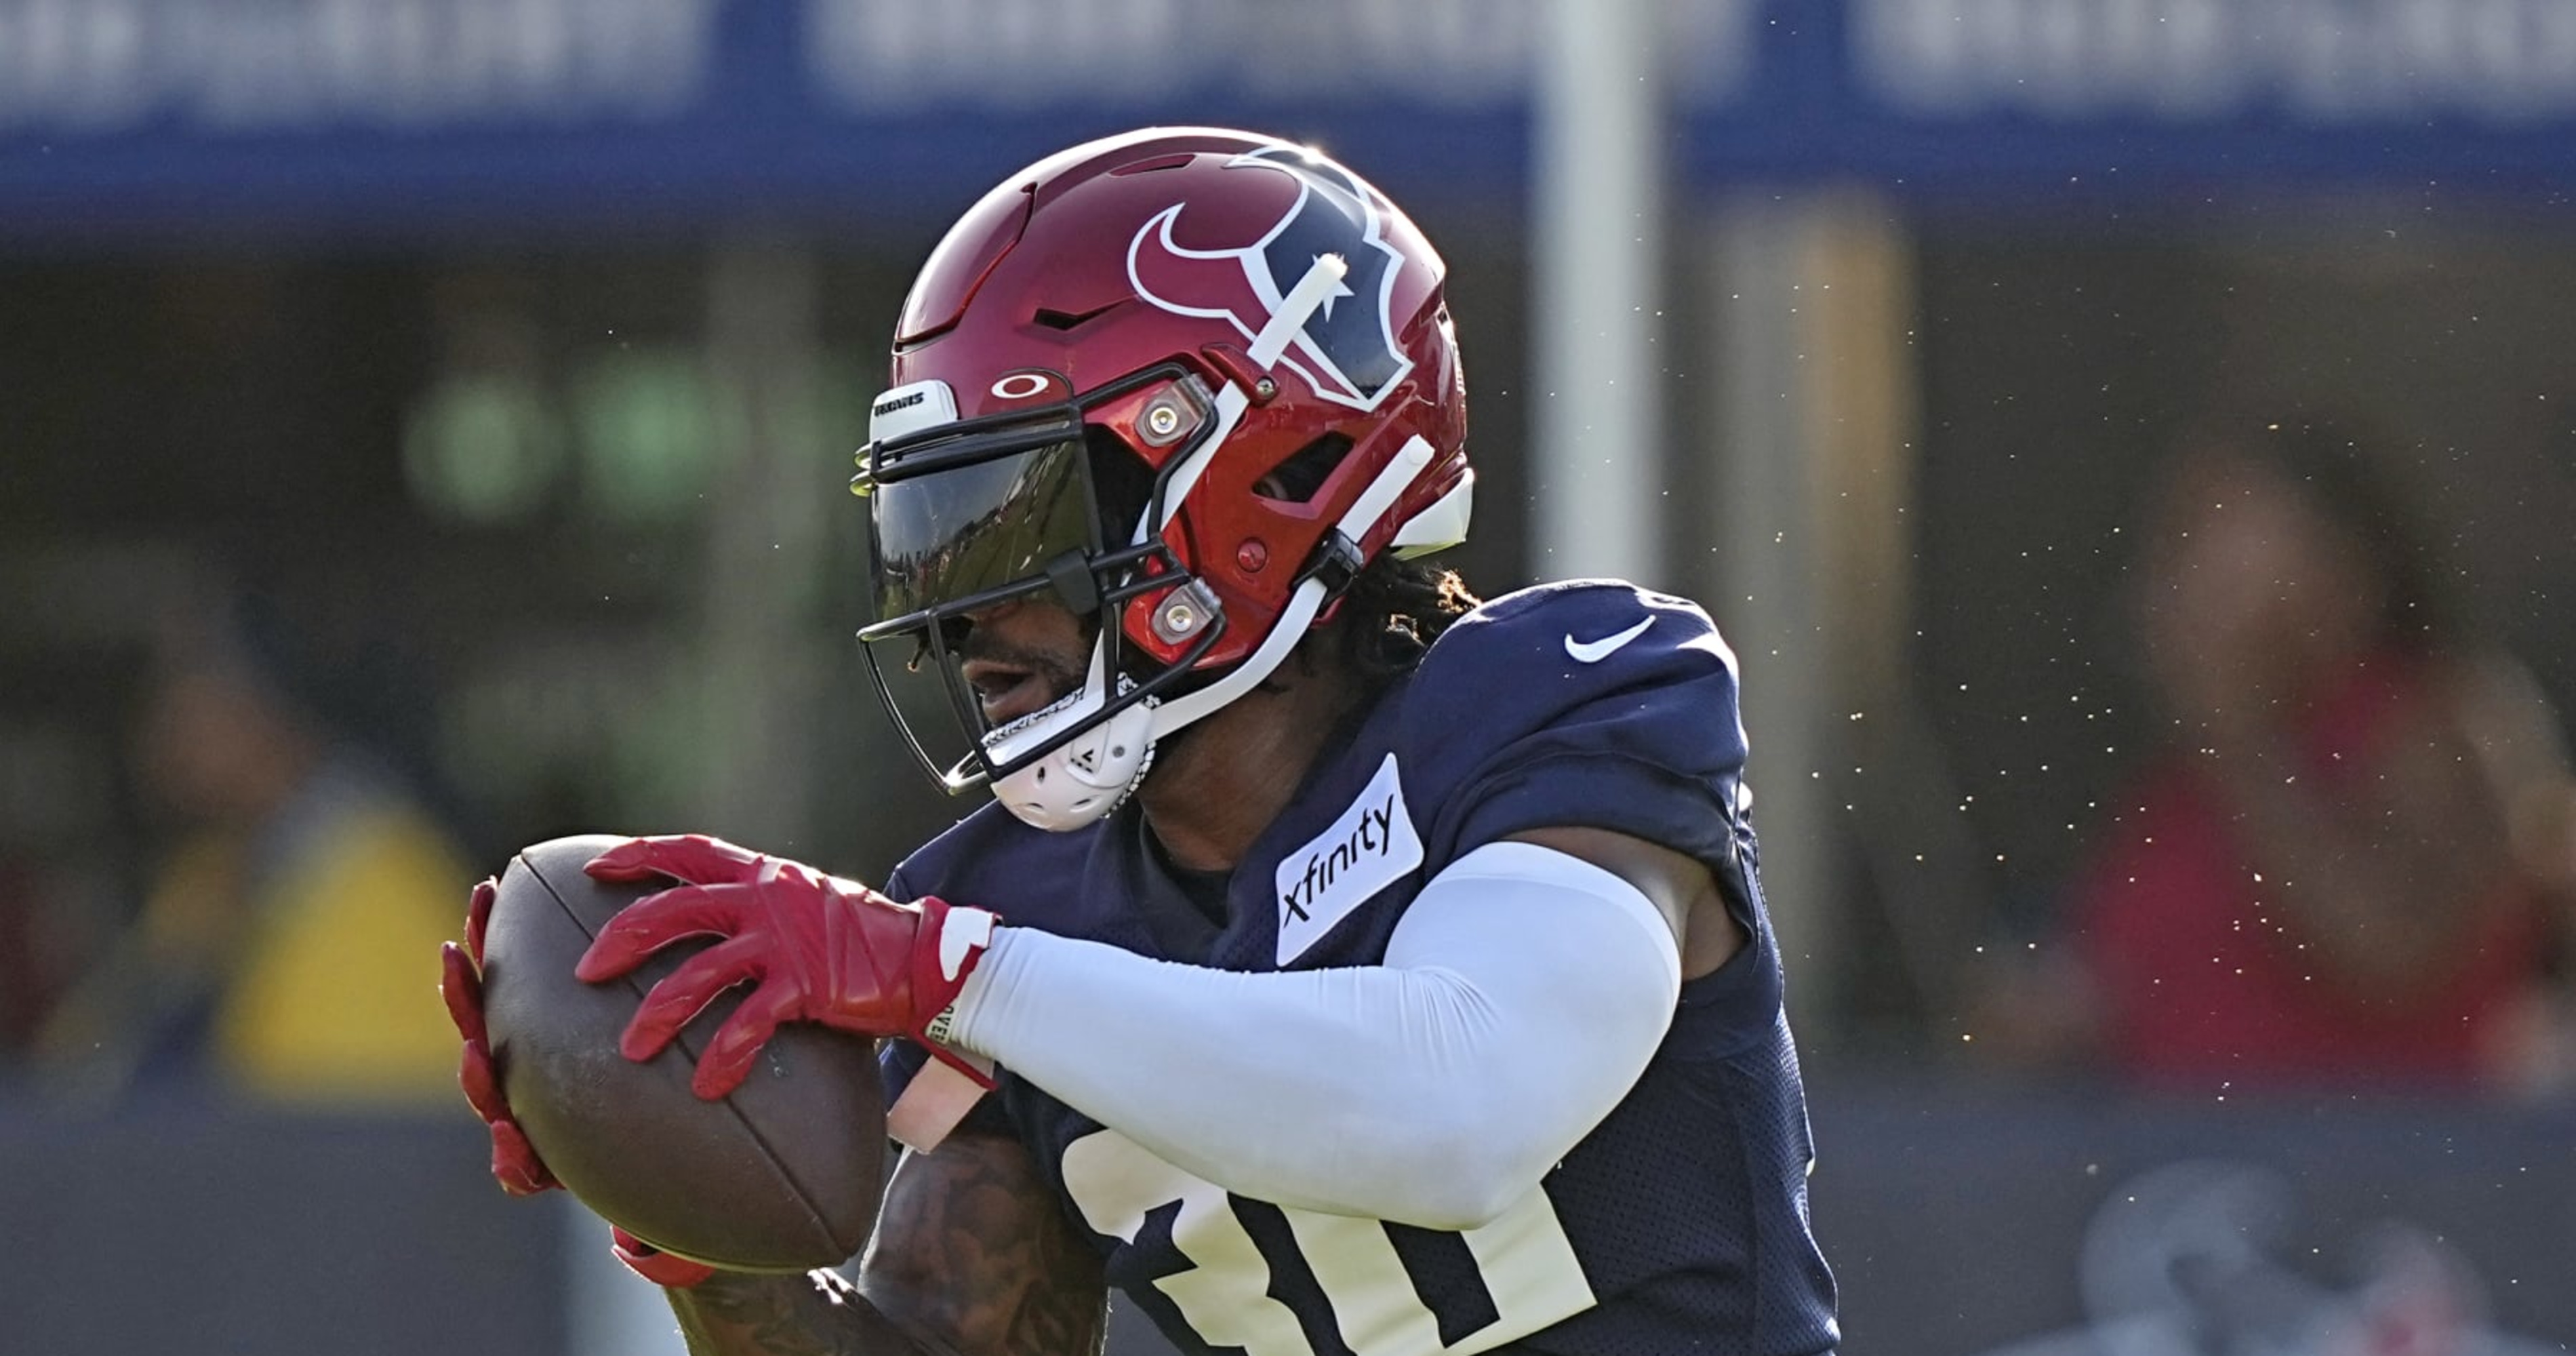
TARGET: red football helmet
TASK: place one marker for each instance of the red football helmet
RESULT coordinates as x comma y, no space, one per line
1191,380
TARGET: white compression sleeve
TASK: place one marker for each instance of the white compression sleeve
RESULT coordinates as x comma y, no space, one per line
1519,999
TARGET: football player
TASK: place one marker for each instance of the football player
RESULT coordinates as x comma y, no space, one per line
1356,968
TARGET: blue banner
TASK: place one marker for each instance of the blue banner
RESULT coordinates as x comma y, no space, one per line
425,113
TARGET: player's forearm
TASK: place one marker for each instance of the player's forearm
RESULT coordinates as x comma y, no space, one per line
818,1314
1514,1008
998,1307
971,1257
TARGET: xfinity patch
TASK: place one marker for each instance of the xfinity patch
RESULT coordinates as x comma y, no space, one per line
1368,849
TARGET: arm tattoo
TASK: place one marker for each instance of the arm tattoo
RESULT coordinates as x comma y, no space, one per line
817,1314
972,1257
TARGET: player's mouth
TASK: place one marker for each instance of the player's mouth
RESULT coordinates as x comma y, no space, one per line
1007,691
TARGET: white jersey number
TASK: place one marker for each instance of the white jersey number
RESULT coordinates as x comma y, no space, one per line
1529,1268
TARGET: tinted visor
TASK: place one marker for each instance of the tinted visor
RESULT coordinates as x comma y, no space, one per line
965,530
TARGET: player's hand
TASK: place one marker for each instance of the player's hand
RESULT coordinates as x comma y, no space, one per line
514,1160
655,1265
814,948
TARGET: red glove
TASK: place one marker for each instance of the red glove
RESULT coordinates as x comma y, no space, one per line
655,1265
815,947
514,1159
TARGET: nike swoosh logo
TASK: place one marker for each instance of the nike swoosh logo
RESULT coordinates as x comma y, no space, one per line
1594,651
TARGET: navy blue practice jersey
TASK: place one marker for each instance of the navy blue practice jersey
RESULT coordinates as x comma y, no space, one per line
1678,1225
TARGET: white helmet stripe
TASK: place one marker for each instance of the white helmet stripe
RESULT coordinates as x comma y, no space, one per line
1303,605
1230,404
1389,486
1284,326
1289,321
1193,707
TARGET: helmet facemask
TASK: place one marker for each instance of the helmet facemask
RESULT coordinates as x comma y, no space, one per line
967,516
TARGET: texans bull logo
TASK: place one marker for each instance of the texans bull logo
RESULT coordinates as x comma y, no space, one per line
1346,350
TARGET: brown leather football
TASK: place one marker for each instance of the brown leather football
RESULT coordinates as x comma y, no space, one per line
783,1175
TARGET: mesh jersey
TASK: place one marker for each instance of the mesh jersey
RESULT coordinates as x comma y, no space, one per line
1678,1224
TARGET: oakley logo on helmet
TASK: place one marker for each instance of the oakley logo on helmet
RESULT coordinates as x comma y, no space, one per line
1346,350
1028,385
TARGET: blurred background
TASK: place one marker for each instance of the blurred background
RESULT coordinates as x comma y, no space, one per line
2128,442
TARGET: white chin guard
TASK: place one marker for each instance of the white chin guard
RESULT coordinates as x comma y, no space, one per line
1096,771
1092,773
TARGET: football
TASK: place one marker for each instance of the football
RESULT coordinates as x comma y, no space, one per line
783,1175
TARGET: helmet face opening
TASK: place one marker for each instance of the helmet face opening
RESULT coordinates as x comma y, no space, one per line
968,516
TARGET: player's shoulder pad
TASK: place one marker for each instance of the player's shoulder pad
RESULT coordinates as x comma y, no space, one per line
1589,631
1588,653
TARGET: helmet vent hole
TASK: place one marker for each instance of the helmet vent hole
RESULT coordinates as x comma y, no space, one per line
1161,162
1301,475
1066,320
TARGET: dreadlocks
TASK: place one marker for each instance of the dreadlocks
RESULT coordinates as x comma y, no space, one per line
1394,609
